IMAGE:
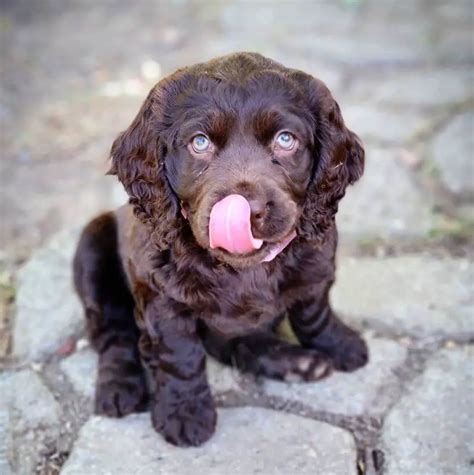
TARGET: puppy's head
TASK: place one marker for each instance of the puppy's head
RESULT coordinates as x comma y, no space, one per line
244,151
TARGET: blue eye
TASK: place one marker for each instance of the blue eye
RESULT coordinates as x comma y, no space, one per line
201,143
286,140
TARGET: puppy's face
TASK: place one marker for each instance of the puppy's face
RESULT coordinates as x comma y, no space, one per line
253,139
246,152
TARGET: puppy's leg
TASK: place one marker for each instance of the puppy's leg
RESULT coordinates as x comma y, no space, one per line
264,354
100,282
317,327
183,410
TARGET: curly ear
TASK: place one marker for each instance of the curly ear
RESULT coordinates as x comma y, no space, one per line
338,160
138,159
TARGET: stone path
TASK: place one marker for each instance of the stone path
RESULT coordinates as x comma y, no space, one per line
405,276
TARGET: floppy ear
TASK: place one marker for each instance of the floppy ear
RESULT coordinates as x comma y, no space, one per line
138,159
338,160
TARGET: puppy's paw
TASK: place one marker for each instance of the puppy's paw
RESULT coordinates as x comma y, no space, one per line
351,354
309,367
117,399
293,364
185,422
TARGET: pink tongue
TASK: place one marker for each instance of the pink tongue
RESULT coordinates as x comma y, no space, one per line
229,226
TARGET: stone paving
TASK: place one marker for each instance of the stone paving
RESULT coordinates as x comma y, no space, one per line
403,75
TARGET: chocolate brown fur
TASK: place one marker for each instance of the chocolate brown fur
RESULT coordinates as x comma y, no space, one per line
155,293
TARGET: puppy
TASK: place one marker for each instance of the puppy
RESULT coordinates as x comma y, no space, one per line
234,169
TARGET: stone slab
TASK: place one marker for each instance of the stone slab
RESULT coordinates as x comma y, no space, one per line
452,153
247,441
6,443
347,50
419,295
32,415
357,393
81,370
373,122
223,378
386,202
431,429
47,308
421,87
30,401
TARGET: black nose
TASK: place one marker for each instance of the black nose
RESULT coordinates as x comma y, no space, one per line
259,211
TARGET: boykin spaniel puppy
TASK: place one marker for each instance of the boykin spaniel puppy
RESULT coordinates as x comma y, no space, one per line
234,169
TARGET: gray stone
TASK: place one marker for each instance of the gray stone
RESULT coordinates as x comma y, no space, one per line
419,295
348,50
423,88
47,308
247,441
344,34
32,415
373,122
29,399
433,35
431,430
375,208
223,378
454,43
357,393
6,443
81,370
452,153
466,213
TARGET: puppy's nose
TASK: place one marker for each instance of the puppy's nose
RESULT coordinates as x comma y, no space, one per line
259,210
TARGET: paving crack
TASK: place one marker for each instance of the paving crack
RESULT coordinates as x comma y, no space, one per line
75,411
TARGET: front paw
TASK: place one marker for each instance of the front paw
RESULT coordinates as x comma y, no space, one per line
119,398
351,354
188,421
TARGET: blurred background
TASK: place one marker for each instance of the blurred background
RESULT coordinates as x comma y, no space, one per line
74,73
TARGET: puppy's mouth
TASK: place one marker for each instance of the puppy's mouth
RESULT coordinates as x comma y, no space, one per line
273,249
230,231
266,253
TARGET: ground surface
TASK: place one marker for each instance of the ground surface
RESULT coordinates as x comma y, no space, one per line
73,75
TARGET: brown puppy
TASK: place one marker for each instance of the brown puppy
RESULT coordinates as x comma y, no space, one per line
157,293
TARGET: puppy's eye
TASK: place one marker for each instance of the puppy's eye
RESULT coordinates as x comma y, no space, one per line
201,143
285,140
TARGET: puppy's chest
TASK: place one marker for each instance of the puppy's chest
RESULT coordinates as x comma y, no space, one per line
231,301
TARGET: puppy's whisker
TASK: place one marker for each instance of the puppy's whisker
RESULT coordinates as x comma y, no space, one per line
285,171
